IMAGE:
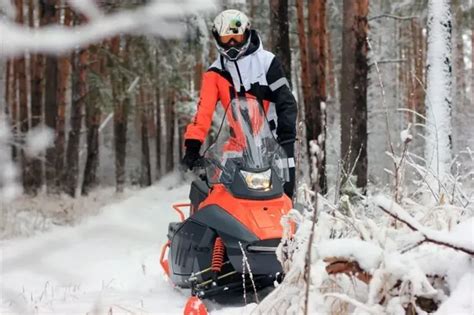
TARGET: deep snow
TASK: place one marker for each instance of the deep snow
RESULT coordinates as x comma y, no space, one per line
106,265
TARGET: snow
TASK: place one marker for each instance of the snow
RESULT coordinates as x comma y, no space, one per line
38,139
157,18
109,263
368,255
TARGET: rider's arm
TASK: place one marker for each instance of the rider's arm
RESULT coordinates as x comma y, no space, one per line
199,127
286,109
285,103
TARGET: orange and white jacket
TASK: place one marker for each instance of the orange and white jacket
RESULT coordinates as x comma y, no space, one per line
258,73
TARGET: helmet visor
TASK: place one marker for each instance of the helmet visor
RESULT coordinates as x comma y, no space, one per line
238,38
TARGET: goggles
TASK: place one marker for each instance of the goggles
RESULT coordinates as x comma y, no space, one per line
238,38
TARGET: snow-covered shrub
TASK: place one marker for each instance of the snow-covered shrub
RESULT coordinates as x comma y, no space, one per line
365,260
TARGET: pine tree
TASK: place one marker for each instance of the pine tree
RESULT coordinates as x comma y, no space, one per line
354,91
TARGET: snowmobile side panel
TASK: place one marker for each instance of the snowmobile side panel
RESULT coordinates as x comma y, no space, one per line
221,221
235,235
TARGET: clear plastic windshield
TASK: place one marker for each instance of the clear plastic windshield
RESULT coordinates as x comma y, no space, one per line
244,142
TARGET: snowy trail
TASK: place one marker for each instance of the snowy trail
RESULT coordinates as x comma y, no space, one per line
106,265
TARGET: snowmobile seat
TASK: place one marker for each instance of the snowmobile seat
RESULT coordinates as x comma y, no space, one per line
199,191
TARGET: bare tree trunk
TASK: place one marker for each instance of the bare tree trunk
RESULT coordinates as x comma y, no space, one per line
170,121
37,70
253,9
12,102
158,125
317,53
120,100
330,68
20,66
305,83
143,105
419,77
8,83
354,91
93,118
50,16
79,91
64,69
280,36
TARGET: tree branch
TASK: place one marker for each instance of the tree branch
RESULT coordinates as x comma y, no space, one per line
399,214
395,17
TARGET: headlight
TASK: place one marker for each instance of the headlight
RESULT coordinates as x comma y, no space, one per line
258,181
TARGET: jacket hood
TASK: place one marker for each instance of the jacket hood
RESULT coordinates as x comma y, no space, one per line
255,43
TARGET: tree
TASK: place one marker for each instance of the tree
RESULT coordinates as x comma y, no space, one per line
36,76
158,111
64,70
354,91
439,85
170,127
280,35
21,77
143,107
93,119
121,101
315,108
50,16
79,91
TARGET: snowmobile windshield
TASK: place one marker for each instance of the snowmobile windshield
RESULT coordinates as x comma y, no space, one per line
244,142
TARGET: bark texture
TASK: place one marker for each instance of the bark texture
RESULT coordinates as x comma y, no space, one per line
354,91
280,35
315,108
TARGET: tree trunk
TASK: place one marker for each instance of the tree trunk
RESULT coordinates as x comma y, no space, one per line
93,118
418,81
8,82
158,127
79,91
305,83
12,103
120,100
37,70
50,16
330,68
20,67
280,35
64,69
170,121
354,91
143,105
439,85
315,108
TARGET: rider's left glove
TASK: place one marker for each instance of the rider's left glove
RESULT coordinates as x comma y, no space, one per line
191,155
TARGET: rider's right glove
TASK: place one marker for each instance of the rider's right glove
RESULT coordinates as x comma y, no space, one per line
191,154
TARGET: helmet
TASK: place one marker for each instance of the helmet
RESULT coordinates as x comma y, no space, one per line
231,30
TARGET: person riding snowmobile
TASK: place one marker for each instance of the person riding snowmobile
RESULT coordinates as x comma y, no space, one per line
243,68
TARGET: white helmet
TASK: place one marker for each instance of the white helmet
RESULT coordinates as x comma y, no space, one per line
231,31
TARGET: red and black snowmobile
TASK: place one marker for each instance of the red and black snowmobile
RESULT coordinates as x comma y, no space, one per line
235,212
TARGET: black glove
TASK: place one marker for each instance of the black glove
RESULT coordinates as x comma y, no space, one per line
191,154
289,187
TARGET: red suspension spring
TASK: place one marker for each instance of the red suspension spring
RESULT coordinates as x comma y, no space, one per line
218,255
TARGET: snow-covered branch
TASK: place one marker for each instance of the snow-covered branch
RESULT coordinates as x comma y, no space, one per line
158,18
436,237
392,16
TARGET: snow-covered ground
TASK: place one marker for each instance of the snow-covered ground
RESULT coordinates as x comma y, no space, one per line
108,264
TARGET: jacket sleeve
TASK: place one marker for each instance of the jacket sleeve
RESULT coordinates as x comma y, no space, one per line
209,94
285,103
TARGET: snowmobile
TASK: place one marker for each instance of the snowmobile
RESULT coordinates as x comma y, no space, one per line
228,243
